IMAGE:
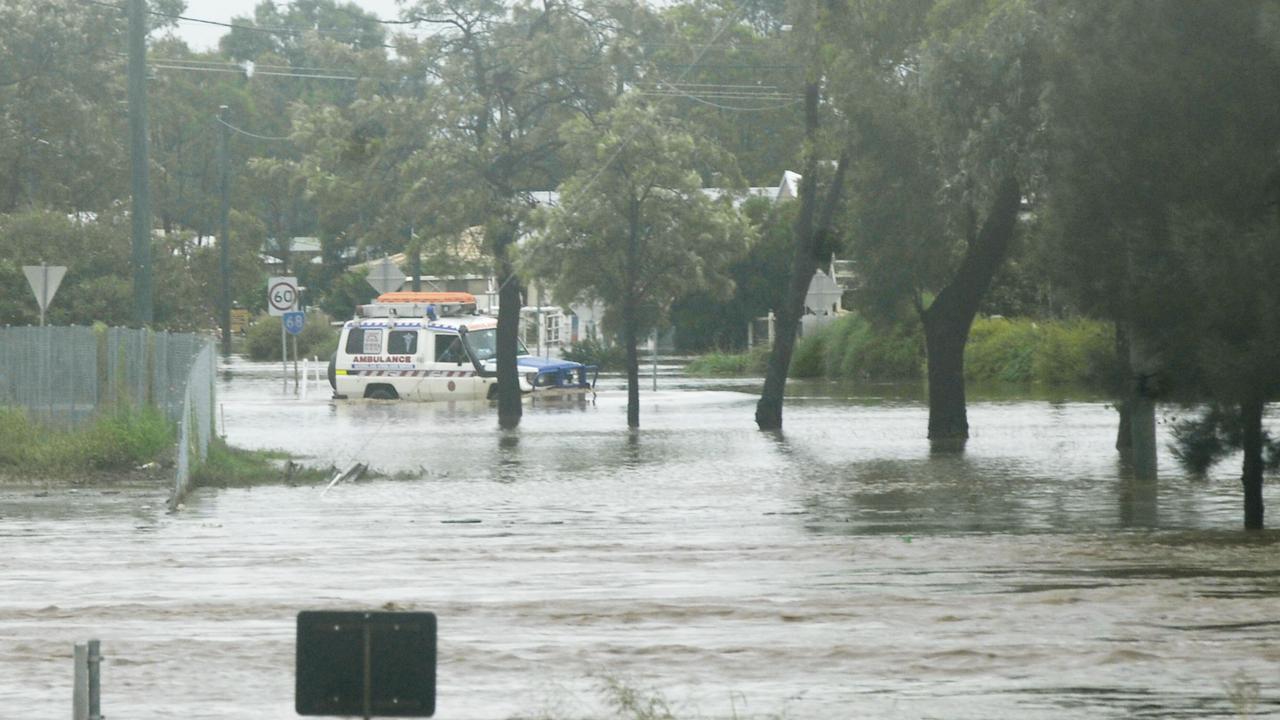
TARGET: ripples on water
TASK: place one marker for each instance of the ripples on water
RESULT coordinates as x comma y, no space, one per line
838,570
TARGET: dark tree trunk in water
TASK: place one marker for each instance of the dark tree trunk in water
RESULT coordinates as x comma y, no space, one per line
1124,436
510,407
812,246
1251,426
629,324
630,319
947,321
944,350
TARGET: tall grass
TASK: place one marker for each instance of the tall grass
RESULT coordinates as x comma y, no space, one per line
721,364
119,439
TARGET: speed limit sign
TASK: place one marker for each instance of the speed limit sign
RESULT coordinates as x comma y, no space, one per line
282,295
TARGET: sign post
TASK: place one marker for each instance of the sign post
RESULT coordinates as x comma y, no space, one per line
282,298
293,323
44,281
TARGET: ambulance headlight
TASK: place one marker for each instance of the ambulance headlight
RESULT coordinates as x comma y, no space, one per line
530,377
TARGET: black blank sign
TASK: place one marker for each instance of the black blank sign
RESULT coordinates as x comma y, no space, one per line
401,664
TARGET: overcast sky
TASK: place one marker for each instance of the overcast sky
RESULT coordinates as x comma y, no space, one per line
205,37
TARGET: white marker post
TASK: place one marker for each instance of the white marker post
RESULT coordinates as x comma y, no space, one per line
282,297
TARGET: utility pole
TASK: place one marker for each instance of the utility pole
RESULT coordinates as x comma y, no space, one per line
224,242
138,153
415,261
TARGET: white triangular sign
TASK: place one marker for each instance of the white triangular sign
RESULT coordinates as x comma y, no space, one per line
44,281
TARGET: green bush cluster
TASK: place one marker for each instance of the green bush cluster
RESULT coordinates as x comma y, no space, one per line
851,348
1067,352
318,337
590,351
120,439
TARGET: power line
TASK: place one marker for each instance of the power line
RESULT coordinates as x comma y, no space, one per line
719,106
241,71
249,134
242,65
113,6
297,32
271,30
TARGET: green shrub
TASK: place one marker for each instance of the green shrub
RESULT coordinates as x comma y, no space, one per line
318,337
590,351
1001,350
19,437
1066,352
897,354
1075,352
810,357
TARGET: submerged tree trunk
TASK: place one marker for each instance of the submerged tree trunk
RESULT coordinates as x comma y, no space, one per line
944,340
1120,389
1251,477
510,407
629,333
1142,409
947,321
812,246
630,318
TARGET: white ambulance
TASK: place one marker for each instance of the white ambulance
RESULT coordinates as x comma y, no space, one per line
433,346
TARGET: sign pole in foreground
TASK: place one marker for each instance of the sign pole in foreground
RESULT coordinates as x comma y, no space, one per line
367,664
44,281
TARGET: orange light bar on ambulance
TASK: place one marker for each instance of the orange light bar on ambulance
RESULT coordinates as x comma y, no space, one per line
408,296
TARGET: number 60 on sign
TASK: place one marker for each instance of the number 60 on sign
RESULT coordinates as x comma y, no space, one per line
282,295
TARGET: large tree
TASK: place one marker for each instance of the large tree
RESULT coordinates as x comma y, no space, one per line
945,112
61,129
508,77
634,228
812,236
1164,196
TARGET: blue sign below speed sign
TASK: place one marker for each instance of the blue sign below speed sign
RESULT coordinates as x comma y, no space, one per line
293,322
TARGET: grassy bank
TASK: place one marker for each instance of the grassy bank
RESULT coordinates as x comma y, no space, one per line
118,440
1018,351
229,466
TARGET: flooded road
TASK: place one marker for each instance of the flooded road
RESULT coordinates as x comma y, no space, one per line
839,570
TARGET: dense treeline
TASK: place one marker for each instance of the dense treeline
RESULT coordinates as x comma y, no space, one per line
1050,159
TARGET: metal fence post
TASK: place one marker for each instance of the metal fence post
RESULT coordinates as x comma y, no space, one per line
80,684
95,681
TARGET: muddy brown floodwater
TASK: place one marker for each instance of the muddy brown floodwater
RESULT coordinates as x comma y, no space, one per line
839,570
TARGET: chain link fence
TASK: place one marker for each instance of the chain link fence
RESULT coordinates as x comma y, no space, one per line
195,425
63,377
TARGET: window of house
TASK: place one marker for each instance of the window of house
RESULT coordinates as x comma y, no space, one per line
553,328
